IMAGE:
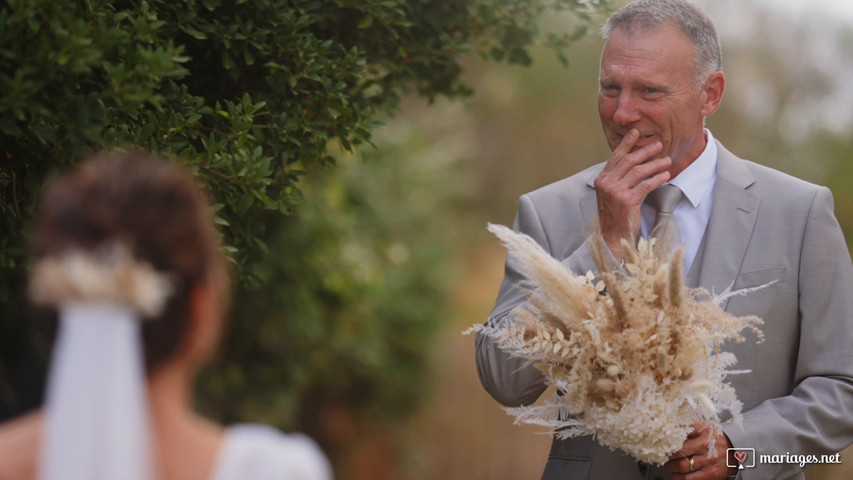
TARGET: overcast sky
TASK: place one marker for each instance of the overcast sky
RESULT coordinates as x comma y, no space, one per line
807,37
807,10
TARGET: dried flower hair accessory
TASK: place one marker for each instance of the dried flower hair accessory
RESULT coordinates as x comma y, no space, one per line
109,274
635,356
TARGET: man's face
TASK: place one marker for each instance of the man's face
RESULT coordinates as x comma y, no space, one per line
647,82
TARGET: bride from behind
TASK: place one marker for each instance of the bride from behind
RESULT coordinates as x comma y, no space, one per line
126,253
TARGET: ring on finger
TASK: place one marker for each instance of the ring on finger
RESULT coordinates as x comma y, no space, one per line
691,463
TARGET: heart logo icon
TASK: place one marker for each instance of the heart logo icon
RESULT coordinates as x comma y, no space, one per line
740,456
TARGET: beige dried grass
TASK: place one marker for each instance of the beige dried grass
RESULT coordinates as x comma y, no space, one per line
635,357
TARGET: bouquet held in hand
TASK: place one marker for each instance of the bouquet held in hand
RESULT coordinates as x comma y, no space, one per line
634,354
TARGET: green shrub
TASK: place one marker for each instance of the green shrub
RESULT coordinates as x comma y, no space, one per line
251,94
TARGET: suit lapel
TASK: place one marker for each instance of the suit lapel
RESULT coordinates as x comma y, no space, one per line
731,224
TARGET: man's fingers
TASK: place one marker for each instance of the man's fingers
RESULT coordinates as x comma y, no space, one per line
620,164
626,172
681,465
648,172
704,464
642,155
698,429
616,186
627,143
623,149
696,444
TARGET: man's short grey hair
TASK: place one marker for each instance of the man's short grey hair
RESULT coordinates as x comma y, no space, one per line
688,17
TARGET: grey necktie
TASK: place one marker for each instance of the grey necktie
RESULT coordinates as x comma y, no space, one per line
663,200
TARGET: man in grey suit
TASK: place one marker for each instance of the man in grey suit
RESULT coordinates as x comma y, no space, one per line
741,224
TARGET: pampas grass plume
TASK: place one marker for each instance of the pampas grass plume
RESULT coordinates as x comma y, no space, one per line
635,355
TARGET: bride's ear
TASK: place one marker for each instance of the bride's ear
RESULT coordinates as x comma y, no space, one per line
204,322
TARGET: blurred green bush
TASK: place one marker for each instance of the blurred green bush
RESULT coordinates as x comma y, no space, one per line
336,304
351,297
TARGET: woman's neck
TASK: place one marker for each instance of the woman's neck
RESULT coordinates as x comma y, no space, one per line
187,445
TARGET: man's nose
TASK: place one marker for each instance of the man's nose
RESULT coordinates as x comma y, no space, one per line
627,111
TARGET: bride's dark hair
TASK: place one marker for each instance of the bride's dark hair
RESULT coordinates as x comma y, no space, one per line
157,210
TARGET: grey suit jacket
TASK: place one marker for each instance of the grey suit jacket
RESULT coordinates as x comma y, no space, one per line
764,226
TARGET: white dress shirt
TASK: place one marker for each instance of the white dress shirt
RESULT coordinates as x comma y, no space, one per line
694,209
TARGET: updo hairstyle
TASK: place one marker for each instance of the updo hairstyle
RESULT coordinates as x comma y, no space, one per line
154,208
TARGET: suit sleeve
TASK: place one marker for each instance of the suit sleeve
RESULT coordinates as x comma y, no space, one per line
506,378
817,417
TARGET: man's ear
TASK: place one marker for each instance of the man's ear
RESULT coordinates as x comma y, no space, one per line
712,93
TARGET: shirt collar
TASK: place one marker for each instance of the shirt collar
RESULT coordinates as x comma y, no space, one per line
697,179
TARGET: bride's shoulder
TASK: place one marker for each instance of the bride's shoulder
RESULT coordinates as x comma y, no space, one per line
19,440
260,451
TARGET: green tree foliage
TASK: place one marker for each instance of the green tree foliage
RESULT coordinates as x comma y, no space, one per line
345,325
338,301
241,90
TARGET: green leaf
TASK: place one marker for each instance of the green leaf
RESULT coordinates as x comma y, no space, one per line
228,61
366,22
197,34
147,130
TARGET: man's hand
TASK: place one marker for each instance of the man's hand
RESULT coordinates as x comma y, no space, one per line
622,186
705,465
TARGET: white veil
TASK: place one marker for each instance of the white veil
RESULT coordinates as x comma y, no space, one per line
96,405
96,420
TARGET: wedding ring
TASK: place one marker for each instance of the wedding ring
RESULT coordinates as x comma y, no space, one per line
691,463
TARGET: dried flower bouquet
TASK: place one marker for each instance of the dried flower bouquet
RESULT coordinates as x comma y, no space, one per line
635,356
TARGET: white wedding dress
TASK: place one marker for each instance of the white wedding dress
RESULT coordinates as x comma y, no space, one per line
260,452
97,420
